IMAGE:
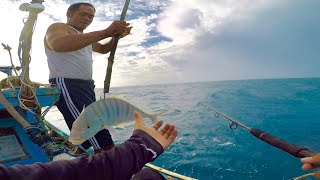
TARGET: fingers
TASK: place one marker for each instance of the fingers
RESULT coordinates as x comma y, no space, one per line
167,131
158,125
122,24
311,162
129,29
126,32
118,28
170,131
307,160
165,136
317,175
173,135
307,167
164,129
138,116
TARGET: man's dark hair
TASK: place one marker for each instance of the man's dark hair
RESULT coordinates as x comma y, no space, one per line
75,7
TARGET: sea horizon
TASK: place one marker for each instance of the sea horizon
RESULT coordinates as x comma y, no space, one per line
208,81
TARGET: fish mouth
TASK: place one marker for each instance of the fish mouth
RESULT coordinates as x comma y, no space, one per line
76,141
76,138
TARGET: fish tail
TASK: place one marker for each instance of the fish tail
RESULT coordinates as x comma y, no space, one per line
155,116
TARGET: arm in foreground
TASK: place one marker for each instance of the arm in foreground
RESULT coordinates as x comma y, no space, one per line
311,163
146,144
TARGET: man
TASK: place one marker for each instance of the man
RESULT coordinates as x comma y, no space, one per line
69,56
145,145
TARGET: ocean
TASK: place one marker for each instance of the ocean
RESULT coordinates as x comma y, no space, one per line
206,148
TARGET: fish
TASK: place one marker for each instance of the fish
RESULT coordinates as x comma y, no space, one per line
104,114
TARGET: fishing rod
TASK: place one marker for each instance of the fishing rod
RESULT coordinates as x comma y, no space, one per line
112,53
274,141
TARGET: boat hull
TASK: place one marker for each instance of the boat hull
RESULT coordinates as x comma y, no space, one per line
15,145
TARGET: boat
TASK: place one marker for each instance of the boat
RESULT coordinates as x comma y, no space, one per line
24,104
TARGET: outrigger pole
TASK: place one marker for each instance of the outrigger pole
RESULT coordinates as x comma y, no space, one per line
13,112
274,141
113,51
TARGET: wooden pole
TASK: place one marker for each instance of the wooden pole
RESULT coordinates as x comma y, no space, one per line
113,51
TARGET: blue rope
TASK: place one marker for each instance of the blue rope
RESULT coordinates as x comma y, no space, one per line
39,136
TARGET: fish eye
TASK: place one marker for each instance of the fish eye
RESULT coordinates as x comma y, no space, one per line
88,126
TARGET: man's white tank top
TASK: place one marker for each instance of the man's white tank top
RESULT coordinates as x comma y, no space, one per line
74,64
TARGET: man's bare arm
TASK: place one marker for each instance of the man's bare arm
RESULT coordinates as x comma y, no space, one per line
102,48
105,48
59,39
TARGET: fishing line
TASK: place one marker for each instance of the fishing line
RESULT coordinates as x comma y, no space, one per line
274,141
303,176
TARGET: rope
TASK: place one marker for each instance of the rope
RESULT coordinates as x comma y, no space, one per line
27,95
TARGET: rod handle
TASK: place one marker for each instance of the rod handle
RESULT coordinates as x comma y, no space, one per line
274,141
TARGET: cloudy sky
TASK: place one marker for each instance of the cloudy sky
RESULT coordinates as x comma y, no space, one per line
175,41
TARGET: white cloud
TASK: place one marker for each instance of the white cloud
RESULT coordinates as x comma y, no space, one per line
194,27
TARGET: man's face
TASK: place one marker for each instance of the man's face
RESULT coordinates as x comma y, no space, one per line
82,18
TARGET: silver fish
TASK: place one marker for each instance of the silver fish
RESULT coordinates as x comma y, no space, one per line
103,114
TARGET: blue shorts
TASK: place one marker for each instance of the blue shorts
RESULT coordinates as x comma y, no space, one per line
76,94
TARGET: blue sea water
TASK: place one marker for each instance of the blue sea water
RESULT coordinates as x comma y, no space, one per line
206,148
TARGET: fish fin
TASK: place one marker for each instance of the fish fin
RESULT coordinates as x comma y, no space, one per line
120,126
119,96
111,129
155,116
84,106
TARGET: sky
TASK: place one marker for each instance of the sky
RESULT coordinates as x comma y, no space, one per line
177,41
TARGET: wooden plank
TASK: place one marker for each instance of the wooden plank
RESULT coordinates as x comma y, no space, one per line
169,173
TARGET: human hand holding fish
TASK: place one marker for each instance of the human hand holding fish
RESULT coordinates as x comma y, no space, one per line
165,136
105,114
